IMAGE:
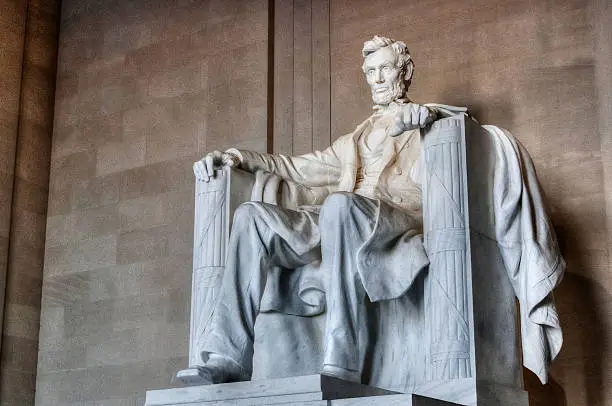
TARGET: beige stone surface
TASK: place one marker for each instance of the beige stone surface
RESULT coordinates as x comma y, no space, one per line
12,38
33,27
143,89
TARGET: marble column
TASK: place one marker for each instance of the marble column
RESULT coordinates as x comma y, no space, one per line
28,38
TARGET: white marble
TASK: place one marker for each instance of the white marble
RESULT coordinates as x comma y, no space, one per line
264,392
442,222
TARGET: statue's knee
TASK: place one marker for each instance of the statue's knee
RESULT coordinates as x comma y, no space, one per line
246,213
337,205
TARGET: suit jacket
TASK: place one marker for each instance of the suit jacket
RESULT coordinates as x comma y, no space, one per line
315,175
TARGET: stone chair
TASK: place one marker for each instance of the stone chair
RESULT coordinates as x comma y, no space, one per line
462,313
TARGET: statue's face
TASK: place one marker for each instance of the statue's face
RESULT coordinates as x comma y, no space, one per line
383,76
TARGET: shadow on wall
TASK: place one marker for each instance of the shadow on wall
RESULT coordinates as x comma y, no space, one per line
583,360
580,370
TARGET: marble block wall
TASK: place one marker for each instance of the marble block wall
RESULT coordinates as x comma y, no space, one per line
144,88
28,49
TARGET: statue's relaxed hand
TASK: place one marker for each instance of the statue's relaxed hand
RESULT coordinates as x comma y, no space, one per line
409,117
205,168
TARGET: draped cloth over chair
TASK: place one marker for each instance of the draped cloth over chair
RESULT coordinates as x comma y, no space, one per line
453,334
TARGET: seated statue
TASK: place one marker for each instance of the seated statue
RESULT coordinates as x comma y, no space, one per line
360,218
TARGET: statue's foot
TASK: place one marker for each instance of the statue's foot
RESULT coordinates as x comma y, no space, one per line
341,373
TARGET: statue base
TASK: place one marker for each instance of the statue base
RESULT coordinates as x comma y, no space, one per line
309,390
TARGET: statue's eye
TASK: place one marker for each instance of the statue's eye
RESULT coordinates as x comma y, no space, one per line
387,69
370,72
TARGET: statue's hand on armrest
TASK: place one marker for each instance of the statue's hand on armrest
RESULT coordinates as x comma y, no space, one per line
205,168
409,117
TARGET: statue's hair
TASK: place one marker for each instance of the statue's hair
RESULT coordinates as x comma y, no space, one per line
399,47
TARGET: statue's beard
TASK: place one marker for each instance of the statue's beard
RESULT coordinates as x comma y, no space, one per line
396,91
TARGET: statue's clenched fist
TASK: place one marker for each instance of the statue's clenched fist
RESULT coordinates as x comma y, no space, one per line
205,168
409,117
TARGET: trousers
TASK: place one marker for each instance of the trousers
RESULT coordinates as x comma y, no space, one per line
265,236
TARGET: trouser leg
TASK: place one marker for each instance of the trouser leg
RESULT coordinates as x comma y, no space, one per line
346,221
262,236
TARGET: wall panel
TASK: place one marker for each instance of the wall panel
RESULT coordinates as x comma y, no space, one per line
28,44
144,89
301,115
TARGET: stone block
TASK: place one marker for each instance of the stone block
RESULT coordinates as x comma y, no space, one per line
95,223
72,169
95,384
88,133
19,354
51,324
142,245
31,196
269,391
34,152
163,209
119,156
65,289
190,78
59,200
24,288
169,56
140,278
61,357
29,227
17,387
165,340
82,255
156,178
94,193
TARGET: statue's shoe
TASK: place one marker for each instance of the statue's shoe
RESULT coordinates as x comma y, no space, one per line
341,373
219,369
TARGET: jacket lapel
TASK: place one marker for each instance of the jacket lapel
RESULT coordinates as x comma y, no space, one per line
392,149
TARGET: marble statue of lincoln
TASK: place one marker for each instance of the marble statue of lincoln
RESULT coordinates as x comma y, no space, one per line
356,209
364,176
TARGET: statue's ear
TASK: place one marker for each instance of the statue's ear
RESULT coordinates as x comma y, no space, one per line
409,70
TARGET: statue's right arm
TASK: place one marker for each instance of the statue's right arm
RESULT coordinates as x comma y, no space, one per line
319,168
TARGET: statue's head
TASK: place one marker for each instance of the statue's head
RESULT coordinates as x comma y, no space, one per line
388,68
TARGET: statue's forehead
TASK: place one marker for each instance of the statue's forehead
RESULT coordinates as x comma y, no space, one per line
380,57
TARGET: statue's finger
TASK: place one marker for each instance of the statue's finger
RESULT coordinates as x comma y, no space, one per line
205,175
209,167
414,116
197,170
423,116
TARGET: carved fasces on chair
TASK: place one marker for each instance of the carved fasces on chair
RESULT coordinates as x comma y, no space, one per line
215,201
447,293
210,242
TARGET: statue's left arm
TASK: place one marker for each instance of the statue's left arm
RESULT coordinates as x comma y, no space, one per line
319,168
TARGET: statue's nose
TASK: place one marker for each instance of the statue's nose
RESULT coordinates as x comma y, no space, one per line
379,76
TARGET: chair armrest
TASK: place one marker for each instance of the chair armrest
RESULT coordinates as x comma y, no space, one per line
215,203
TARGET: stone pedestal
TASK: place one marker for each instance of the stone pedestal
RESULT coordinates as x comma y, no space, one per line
311,390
